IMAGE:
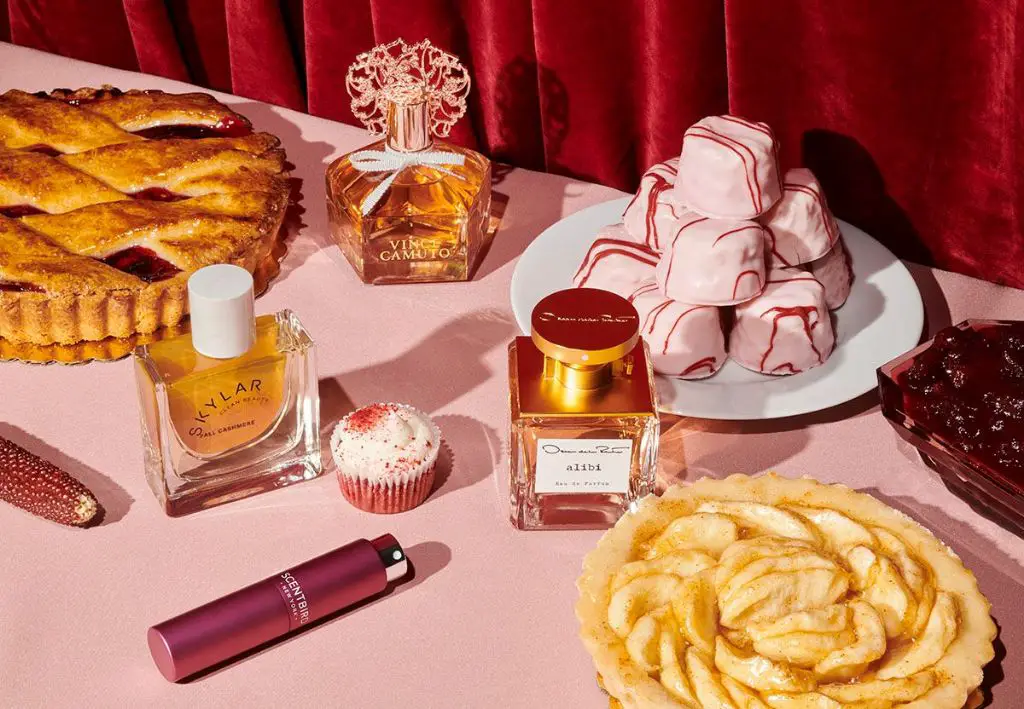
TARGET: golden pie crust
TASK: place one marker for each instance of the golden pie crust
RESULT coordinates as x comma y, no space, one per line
230,187
748,593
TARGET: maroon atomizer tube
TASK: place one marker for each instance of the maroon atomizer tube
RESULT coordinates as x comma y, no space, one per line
256,614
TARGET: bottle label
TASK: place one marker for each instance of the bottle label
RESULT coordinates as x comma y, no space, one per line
228,409
414,249
595,465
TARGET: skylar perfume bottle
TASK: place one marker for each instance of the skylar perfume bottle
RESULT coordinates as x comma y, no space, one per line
409,208
584,434
232,409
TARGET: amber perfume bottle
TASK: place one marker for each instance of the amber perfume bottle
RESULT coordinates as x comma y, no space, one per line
232,409
584,436
409,208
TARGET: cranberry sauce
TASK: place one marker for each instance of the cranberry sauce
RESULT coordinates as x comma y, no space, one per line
158,194
19,210
142,263
968,387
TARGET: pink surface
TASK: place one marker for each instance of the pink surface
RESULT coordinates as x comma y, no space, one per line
488,620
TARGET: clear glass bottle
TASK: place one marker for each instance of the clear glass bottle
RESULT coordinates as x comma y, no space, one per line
409,208
584,416
232,409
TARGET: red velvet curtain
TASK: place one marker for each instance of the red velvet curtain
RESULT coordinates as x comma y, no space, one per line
909,110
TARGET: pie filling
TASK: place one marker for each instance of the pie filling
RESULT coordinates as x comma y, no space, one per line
158,194
19,210
142,263
44,149
227,127
18,287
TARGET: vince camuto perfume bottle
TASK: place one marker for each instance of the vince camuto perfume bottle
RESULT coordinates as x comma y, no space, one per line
232,409
409,208
584,436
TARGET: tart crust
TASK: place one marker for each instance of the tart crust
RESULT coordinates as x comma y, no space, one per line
229,193
959,671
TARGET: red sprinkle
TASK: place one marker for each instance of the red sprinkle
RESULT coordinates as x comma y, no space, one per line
368,417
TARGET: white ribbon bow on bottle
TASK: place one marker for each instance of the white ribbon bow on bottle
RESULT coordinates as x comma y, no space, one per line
394,162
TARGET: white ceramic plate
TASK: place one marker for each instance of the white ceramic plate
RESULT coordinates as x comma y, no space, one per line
882,319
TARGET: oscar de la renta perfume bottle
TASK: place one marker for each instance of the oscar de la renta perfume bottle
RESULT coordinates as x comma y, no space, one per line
409,208
232,409
584,417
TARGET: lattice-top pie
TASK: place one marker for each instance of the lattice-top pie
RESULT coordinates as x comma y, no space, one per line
109,200
749,593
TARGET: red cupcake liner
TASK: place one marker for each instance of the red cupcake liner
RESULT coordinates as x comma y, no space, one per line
382,498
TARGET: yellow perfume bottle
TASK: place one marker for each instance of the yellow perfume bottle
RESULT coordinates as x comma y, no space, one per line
231,409
409,208
584,415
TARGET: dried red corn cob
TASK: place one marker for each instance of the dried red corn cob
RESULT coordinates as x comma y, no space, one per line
40,487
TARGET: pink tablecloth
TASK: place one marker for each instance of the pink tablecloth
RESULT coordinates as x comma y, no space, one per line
488,620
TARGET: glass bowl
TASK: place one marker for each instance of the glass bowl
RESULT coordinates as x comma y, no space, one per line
953,399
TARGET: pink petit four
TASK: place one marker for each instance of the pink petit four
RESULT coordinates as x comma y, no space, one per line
729,168
800,228
685,340
786,329
615,263
833,270
651,217
713,262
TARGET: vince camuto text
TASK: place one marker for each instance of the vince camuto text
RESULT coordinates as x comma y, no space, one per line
415,250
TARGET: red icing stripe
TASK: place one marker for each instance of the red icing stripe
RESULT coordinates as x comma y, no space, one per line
672,255
807,279
774,250
643,290
615,247
660,185
735,231
762,128
752,187
664,349
652,317
804,313
736,285
708,362
830,227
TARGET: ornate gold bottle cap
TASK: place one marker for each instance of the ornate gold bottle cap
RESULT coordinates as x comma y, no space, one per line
408,92
583,330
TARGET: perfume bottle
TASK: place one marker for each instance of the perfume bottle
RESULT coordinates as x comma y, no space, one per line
409,208
584,434
232,409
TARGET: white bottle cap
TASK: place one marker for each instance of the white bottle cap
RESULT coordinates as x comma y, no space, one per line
221,299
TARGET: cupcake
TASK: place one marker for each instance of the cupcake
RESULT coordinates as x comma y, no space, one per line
386,455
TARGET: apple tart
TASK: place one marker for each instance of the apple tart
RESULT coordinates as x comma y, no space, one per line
754,593
109,200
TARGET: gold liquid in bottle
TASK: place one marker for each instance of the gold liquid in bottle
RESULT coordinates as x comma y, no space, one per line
409,208
584,421
232,409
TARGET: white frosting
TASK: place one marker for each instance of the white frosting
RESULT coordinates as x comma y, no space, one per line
786,329
685,340
615,263
713,262
800,228
729,168
385,442
654,213
833,270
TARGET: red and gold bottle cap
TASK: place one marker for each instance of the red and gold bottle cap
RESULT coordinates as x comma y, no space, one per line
585,327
